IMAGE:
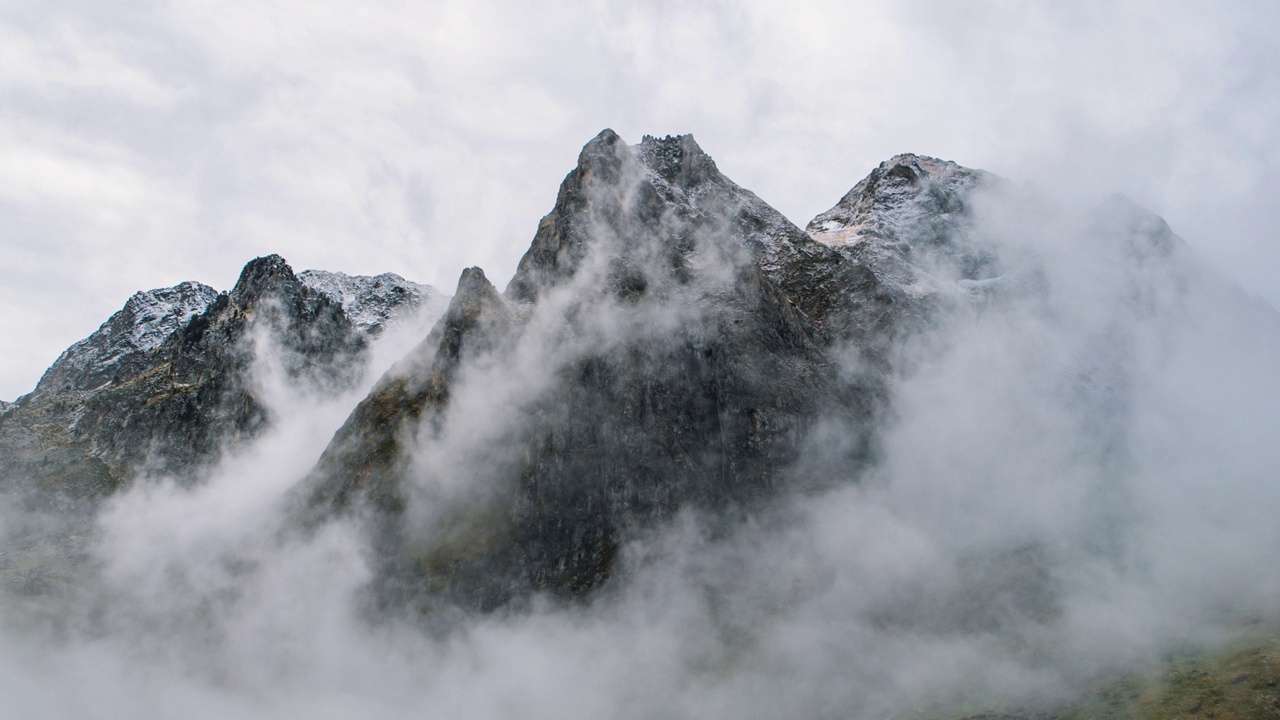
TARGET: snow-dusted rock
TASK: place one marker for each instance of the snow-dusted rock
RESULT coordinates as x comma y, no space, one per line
373,302
910,221
125,343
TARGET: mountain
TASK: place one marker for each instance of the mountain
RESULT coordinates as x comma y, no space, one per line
668,342
671,343
166,384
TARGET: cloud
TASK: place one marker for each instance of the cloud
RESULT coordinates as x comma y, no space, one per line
160,143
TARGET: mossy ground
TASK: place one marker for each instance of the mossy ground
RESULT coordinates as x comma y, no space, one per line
1238,682
1241,682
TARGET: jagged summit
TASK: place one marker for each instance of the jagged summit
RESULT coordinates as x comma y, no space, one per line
413,392
260,276
656,205
371,302
121,347
677,159
910,221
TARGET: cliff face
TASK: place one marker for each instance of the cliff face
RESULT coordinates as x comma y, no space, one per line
165,385
668,341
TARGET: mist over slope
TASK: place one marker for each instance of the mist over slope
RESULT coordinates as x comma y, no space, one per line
956,447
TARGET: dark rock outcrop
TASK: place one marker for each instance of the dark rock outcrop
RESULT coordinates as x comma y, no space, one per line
364,458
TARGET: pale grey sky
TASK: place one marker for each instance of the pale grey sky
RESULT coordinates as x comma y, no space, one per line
143,143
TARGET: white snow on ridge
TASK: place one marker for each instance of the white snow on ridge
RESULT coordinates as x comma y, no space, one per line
901,194
909,223
157,314
370,302
142,325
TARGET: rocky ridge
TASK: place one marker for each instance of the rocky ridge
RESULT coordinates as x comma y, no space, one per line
121,347
910,221
166,385
371,302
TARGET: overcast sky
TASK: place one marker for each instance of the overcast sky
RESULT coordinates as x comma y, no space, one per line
145,143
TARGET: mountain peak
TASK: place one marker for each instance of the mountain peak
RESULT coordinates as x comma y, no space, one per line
677,159
896,197
261,275
122,346
658,198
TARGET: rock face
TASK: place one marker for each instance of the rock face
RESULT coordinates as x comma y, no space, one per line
166,384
